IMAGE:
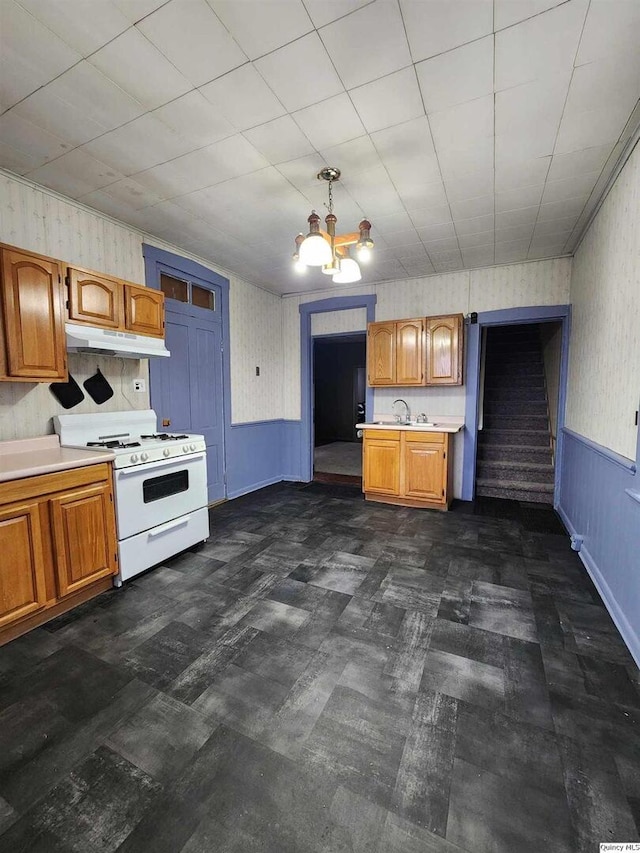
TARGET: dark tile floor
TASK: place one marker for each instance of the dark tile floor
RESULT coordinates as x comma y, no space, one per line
330,675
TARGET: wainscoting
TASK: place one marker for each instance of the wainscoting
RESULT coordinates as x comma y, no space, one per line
600,506
261,453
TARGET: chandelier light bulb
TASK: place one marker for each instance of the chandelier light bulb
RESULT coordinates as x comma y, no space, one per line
349,272
364,254
298,266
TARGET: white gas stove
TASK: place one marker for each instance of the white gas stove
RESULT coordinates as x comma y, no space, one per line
160,483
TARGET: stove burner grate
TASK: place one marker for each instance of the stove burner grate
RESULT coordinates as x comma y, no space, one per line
165,436
111,444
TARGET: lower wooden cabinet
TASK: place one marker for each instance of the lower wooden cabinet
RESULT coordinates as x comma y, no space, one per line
57,544
407,468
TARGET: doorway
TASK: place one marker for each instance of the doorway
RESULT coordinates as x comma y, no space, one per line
518,418
339,392
188,388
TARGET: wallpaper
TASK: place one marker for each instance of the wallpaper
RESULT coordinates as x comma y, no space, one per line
339,322
34,218
604,359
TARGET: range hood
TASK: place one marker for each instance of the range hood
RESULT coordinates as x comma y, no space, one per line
111,342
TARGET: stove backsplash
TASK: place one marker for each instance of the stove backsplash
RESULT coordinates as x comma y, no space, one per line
26,409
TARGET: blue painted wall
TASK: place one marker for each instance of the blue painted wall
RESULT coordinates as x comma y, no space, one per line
600,502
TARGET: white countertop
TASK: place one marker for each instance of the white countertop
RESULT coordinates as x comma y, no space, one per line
32,456
445,424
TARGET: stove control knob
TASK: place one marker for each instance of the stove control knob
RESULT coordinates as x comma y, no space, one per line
144,457
166,451
134,458
185,448
192,447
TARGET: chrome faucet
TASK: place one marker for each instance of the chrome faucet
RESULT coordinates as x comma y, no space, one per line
407,415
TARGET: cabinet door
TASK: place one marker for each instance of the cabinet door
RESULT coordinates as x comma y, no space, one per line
22,578
95,300
444,350
32,302
410,352
144,310
425,471
381,354
84,536
381,466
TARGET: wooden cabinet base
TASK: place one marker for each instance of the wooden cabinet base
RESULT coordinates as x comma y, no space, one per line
56,608
416,503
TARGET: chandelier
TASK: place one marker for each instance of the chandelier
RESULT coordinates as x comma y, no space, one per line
329,250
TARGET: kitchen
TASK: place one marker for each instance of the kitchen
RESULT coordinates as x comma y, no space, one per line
288,575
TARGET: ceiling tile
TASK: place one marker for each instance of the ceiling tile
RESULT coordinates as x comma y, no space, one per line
330,10
579,162
261,27
356,155
408,154
131,193
521,216
479,256
413,252
462,124
139,145
530,145
30,55
135,10
391,100
243,98
302,171
457,76
610,28
418,197
75,174
591,128
517,199
79,105
573,187
483,238
17,160
140,69
605,81
301,73
457,163
367,44
472,186
373,192
429,216
388,225
440,25
513,174
524,108
83,29
195,118
437,232
418,267
331,122
514,232
474,225
193,39
540,46
471,207
279,140
441,247
509,12
510,252
100,200
553,227
36,144
562,209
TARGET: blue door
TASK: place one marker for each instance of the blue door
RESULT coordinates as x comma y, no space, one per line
187,387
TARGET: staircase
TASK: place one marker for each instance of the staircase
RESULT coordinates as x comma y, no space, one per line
514,447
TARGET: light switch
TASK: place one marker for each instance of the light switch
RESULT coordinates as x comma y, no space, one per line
257,371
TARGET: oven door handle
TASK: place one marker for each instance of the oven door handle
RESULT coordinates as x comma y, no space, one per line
158,466
170,525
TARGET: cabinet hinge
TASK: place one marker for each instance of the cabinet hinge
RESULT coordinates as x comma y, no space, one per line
115,556
111,498
444,455
443,493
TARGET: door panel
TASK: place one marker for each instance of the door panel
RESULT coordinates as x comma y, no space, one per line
22,580
410,352
444,350
381,354
381,466
144,310
424,471
95,300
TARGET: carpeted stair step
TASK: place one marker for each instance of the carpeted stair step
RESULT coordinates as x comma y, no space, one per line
532,492
524,422
527,391
532,382
521,437
512,370
515,472
516,408
514,452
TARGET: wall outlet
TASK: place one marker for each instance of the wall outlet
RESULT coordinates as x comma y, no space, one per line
139,385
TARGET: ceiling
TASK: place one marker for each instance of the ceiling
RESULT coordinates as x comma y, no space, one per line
470,132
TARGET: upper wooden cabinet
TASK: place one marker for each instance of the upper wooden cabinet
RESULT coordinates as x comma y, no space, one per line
143,310
99,300
395,353
425,351
32,343
444,350
94,299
